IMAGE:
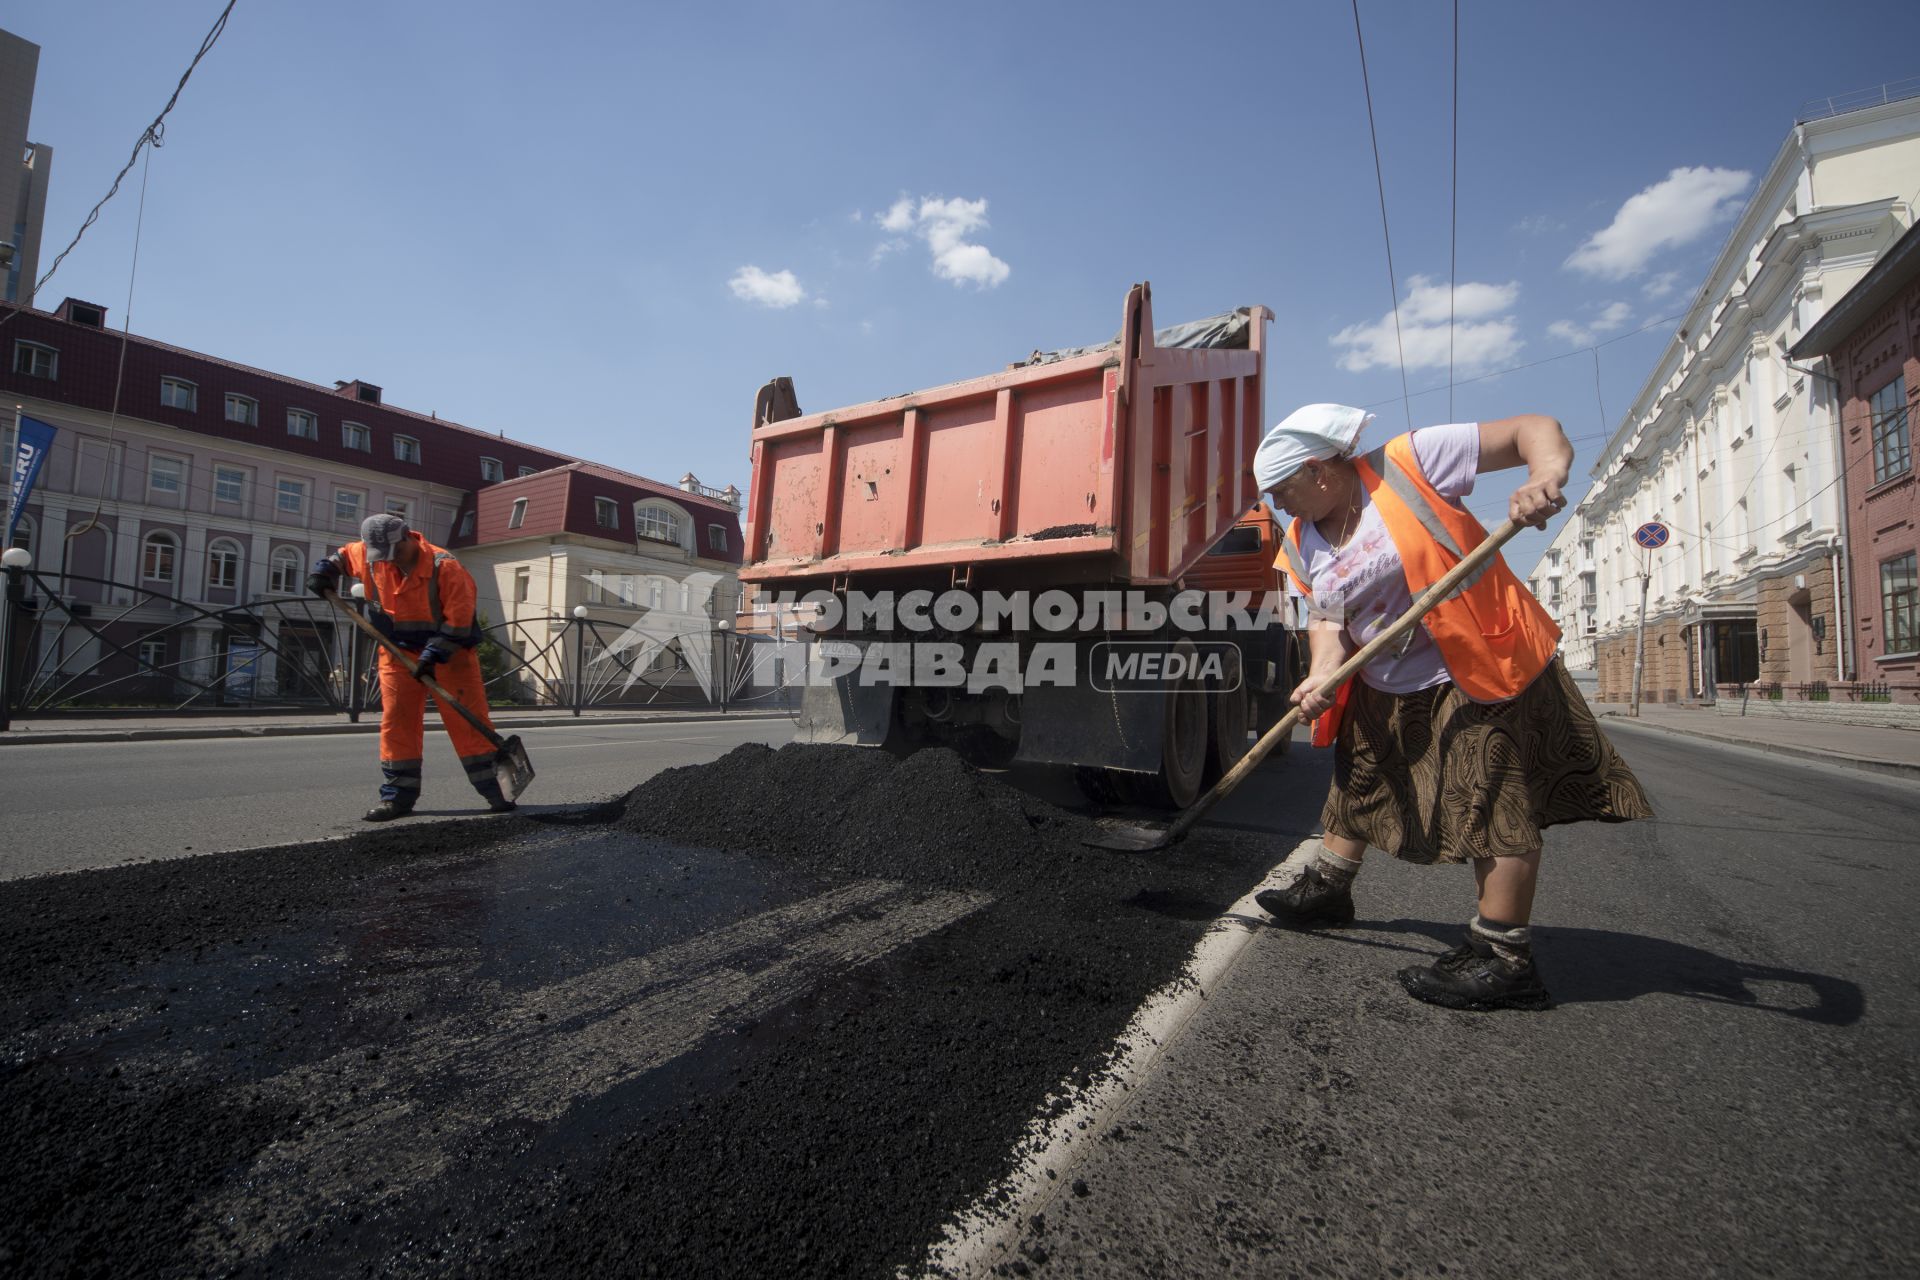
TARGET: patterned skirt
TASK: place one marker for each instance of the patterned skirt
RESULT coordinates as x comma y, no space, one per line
1434,776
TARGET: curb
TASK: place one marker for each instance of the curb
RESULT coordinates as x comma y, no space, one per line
31,737
1865,764
984,1237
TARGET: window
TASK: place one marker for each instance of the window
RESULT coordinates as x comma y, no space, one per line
292,497
491,472
657,525
400,507
229,485
606,513
596,593
286,578
35,361
244,410
348,506
526,471
157,555
519,513
178,393
1900,604
303,424
716,537
164,474
1892,443
406,449
23,533
355,435
522,584
653,593
153,653
223,564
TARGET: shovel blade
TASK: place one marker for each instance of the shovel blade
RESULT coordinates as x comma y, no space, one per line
511,768
1130,840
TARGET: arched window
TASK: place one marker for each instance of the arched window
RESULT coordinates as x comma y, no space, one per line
285,577
657,523
157,554
23,535
223,564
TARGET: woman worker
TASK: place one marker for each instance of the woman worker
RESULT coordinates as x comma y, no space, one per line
1468,739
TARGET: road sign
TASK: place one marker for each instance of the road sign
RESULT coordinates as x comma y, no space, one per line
1651,535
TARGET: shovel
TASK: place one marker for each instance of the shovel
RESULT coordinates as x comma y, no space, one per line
1146,840
511,768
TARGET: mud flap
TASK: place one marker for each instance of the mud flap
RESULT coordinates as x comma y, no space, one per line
846,711
1082,725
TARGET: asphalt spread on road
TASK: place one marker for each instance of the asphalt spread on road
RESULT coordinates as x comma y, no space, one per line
784,1013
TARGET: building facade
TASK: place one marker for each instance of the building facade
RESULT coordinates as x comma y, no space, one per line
1734,447
1870,341
25,168
183,485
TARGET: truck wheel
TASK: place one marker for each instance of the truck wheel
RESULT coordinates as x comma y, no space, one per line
1228,718
1183,746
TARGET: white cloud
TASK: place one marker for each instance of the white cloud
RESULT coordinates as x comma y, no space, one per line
1675,211
1661,285
777,290
1482,334
1613,316
947,227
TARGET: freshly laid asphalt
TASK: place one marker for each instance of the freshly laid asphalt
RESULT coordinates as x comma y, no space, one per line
584,1044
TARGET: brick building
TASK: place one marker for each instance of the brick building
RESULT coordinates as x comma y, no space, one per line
188,480
1870,340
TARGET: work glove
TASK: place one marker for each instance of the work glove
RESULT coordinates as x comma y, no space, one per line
324,578
436,652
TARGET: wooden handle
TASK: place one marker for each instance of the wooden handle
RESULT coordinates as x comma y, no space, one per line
1432,596
413,668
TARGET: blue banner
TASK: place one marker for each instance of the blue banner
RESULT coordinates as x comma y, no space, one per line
32,443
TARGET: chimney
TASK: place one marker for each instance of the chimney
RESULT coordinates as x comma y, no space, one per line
364,392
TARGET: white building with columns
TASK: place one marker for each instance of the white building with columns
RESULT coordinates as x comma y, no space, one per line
1735,449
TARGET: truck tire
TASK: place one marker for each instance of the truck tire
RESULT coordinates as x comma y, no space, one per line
1183,744
1229,716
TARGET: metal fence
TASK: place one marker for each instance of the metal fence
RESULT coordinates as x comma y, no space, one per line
77,645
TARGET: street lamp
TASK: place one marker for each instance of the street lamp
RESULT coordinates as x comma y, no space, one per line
579,656
16,558
726,629
16,561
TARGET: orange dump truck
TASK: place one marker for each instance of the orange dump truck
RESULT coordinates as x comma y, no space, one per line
1064,562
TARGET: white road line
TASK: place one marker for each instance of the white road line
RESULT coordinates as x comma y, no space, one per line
532,1056
985,1234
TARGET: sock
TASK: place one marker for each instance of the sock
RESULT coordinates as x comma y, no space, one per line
1513,943
1334,869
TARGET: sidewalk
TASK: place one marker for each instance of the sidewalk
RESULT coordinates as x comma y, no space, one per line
34,730
1889,751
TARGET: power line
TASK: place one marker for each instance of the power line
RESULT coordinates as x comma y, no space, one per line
150,137
1453,225
1393,278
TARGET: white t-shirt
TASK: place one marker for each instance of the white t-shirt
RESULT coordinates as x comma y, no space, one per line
1364,584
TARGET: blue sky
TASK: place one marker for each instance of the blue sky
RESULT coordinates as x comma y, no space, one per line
539,220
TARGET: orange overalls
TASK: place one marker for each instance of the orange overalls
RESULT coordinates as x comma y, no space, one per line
436,600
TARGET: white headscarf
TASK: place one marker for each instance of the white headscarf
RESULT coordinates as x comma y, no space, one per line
1317,431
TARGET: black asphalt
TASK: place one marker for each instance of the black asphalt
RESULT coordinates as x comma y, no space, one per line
581,1045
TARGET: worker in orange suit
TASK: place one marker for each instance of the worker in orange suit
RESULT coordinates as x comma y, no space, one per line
422,600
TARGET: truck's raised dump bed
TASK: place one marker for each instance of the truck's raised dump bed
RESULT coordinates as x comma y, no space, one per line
1122,463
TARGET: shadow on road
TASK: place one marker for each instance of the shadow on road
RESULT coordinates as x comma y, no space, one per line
1599,966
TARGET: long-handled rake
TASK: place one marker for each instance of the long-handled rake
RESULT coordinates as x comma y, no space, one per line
1146,840
511,768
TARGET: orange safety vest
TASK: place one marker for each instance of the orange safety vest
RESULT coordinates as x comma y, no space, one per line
1493,636
413,608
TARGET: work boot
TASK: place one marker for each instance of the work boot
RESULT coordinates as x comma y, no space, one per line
387,811
496,799
1322,896
1492,969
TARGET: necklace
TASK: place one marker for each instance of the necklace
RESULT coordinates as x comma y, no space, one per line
1350,518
